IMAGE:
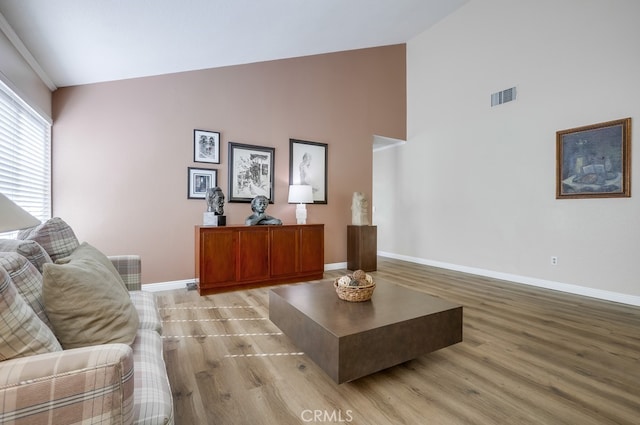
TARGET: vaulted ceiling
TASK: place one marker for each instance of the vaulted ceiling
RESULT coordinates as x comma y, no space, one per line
73,42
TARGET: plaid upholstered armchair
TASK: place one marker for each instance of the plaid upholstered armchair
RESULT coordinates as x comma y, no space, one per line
61,362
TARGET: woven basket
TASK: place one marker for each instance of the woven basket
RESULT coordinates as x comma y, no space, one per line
354,293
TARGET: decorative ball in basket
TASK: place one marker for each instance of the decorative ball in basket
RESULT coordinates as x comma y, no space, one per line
356,287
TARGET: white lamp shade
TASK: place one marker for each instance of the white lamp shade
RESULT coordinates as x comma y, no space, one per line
12,217
300,194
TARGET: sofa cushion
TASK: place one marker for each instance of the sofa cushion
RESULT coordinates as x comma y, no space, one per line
145,304
87,305
31,250
89,385
153,402
54,235
84,250
130,269
27,280
21,332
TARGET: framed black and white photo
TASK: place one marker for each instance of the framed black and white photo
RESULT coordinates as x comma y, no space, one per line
250,172
308,165
206,146
199,181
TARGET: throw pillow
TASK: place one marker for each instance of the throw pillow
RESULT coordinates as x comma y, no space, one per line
31,250
87,305
87,251
54,235
27,280
21,332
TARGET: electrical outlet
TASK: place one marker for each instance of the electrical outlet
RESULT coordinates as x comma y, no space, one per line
554,261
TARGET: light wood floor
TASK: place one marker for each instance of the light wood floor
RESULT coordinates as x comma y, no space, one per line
529,356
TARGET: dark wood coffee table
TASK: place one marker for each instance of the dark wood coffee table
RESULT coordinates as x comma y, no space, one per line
350,340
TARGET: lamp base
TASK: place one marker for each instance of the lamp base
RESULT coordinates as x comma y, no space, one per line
301,214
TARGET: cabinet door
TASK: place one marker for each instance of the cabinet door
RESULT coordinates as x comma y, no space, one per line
311,249
284,250
217,257
253,254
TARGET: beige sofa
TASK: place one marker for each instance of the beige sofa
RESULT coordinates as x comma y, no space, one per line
67,355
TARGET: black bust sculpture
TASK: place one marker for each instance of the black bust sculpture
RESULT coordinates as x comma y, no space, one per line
215,200
259,206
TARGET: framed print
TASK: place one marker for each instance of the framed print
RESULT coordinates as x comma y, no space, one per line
199,181
206,146
308,165
594,161
250,172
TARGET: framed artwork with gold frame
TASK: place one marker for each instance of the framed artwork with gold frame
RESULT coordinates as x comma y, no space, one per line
594,161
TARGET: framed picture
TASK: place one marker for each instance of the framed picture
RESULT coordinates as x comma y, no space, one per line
594,161
308,165
199,181
206,146
250,172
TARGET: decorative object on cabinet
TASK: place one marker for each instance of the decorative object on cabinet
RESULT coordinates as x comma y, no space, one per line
237,256
308,166
199,181
362,248
206,146
14,217
594,161
250,172
259,206
214,216
359,209
301,194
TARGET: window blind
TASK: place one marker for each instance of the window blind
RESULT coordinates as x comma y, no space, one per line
25,155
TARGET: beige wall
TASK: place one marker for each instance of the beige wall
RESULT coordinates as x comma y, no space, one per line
474,186
121,149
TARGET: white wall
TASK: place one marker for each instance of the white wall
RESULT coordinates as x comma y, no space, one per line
474,186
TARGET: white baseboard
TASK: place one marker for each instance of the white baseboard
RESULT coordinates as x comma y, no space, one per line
167,286
541,283
335,266
182,284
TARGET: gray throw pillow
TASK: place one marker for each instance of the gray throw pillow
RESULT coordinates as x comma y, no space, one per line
31,250
27,280
87,305
54,235
87,251
21,332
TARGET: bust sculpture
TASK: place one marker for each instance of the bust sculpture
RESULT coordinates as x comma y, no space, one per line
215,200
359,210
259,206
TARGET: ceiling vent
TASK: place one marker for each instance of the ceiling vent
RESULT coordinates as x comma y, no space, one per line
504,96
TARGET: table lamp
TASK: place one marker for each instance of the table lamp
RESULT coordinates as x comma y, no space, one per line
12,217
301,194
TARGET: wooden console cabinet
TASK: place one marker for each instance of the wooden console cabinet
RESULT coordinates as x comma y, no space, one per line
257,255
